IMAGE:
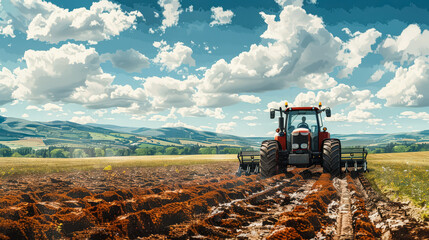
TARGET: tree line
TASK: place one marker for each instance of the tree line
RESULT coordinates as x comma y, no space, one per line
75,152
398,147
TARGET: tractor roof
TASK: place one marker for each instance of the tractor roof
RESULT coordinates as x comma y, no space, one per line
301,108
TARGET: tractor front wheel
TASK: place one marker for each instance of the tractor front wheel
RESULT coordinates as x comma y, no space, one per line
332,157
269,158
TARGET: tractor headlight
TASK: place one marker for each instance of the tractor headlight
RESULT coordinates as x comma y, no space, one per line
295,146
304,146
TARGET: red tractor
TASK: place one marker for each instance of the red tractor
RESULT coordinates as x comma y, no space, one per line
301,140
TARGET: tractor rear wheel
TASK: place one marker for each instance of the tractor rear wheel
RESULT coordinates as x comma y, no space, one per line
332,157
269,158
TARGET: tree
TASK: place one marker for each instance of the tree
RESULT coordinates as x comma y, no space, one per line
171,151
99,152
16,154
5,152
58,153
79,153
24,150
44,153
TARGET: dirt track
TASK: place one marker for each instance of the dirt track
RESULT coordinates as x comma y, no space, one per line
200,201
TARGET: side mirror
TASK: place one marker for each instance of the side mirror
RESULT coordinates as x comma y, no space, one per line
328,112
272,113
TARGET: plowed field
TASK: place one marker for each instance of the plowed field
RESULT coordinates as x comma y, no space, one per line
200,201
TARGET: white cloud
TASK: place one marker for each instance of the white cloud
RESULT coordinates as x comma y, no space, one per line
335,96
129,60
225,127
83,119
25,115
236,117
171,13
52,107
79,113
167,92
406,47
250,118
221,17
195,111
415,115
376,76
3,110
162,118
7,85
32,107
356,49
7,30
284,3
173,57
47,22
250,99
181,124
368,105
100,112
357,115
409,87
71,74
302,50
190,9
275,105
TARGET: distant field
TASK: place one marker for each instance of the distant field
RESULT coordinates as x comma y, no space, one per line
27,142
402,176
19,166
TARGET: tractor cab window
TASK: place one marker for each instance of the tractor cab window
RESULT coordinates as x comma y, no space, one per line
304,119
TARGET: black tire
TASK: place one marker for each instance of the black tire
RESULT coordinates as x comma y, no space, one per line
269,158
332,157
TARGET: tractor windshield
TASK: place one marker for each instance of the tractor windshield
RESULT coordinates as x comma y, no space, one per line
304,119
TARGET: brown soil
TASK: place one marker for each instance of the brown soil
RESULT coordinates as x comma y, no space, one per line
200,201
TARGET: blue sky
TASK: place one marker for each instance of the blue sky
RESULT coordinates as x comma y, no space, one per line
216,65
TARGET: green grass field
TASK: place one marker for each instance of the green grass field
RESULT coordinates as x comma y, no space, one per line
402,176
19,166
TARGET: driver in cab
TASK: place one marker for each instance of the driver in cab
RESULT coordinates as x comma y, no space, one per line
303,124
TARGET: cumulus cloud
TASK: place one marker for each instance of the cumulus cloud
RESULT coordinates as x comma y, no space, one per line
129,60
409,45
47,22
356,49
172,57
415,115
52,107
357,115
275,105
181,124
167,92
409,87
195,111
7,30
7,85
225,127
284,3
171,13
220,16
71,74
79,113
83,119
335,96
250,118
302,50
163,118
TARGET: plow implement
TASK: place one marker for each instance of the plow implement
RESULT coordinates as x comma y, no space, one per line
354,158
249,162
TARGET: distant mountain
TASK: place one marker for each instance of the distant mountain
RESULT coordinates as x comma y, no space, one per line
20,132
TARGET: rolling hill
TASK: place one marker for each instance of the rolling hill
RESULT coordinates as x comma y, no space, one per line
16,132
